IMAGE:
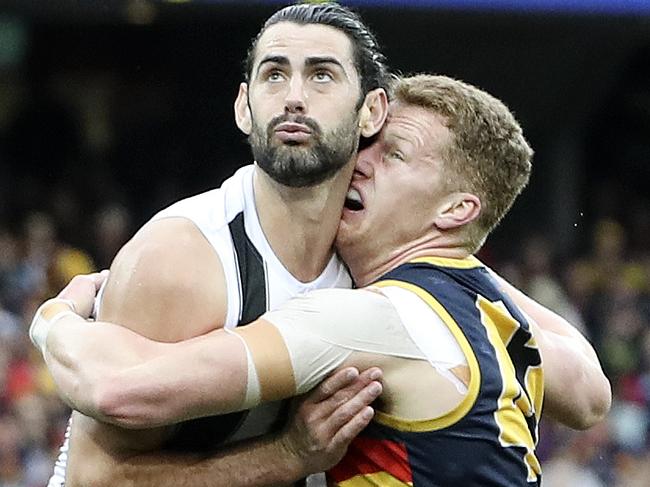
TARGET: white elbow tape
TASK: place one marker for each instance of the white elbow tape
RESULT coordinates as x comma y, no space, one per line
47,314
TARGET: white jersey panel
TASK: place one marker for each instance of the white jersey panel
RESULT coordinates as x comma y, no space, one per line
212,211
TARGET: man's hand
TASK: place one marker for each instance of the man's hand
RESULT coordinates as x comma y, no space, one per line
328,418
81,291
78,297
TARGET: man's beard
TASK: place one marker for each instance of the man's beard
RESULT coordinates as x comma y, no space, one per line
298,165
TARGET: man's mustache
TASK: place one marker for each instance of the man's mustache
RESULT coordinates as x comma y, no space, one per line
301,119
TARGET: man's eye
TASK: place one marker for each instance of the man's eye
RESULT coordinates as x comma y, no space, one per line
395,154
274,76
322,77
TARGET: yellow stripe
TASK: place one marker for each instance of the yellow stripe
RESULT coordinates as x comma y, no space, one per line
466,404
535,386
470,262
535,382
513,403
378,479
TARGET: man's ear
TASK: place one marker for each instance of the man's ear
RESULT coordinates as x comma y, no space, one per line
243,116
459,209
373,112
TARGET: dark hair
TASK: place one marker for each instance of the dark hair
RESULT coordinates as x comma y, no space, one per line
368,60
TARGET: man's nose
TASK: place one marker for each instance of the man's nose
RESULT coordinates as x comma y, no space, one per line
295,101
367,158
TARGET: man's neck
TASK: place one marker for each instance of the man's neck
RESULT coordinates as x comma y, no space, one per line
300,224
367,268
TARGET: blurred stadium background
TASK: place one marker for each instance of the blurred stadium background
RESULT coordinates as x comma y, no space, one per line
110,110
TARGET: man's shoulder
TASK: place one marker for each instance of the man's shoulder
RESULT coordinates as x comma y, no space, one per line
167,273
217,205
167,252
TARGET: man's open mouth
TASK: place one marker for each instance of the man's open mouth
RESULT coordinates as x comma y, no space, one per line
353,200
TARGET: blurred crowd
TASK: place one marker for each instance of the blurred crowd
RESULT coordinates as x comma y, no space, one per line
604,292
34,264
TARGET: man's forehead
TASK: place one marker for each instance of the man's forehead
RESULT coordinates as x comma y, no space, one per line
305,40
415,124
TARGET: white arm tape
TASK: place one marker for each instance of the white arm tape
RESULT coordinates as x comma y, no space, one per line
40,327
253,388
322,328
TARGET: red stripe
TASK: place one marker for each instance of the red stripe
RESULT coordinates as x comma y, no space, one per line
366,456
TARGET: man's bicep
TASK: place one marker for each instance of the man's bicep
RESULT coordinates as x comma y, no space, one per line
159,287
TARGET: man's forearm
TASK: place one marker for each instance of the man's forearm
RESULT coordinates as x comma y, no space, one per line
82,355
260,463
113,375
324,423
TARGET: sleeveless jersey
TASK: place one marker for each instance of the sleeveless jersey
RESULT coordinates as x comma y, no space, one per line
489,439
256,281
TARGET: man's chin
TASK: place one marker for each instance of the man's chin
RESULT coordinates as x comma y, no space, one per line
347,236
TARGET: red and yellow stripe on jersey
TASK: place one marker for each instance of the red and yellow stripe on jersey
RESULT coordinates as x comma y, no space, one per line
374,462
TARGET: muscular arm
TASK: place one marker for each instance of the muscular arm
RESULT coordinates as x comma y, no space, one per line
166,284
137,383
324,423
287,351
329,418
158,289
102,455
577,393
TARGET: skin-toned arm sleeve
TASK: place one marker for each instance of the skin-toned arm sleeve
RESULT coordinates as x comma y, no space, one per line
577,392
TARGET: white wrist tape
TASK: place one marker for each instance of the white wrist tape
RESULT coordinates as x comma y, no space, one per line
47,314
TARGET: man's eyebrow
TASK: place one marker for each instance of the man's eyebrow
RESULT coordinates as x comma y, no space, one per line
316,60
393,137
273,58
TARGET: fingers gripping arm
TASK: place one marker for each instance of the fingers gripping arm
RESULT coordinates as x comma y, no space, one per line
324,423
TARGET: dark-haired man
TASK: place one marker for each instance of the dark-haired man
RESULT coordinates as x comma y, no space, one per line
463,375
314,85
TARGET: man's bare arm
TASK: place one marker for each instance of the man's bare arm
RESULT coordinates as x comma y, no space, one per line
577,392
325,422
151,290
167,384
330,424
160,287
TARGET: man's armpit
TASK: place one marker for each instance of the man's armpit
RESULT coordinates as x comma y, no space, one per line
271,358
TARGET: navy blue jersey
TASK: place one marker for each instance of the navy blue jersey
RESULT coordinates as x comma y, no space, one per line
489,439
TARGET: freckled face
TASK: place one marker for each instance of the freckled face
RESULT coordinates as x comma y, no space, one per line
398,180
